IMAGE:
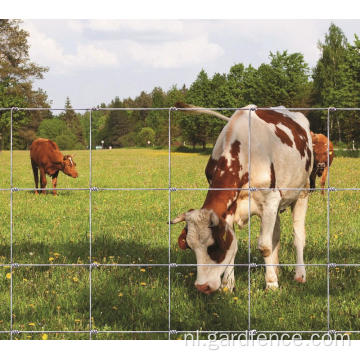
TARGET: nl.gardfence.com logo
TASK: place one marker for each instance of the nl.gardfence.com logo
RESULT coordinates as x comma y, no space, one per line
215,340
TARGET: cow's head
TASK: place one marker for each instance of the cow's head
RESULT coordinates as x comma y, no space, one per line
320,151
214,243
69,166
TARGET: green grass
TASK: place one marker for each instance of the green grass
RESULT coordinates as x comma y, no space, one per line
131,227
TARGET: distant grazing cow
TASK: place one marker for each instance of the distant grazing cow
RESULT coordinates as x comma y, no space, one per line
46,156
321,166
281,157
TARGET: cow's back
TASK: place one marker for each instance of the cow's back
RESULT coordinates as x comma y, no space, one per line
281,152
45,152
284,144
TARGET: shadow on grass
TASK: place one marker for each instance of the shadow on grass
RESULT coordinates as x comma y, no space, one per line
128,298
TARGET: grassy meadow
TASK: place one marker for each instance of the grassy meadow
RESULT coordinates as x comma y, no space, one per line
130,227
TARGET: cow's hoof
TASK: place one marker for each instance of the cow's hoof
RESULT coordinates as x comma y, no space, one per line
227,287
300,279
272,285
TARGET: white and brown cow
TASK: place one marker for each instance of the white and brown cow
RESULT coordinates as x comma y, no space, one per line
281,157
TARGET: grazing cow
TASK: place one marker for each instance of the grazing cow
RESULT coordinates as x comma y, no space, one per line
281,157
46,156
321,165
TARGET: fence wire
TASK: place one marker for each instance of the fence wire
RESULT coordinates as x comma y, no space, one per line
91,265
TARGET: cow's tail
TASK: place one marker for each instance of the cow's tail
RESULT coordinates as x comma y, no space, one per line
200,110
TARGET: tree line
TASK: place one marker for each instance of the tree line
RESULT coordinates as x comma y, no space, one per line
285,79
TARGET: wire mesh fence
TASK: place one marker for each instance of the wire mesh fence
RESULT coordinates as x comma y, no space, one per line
12,331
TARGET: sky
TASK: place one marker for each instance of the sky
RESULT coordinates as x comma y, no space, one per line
92,61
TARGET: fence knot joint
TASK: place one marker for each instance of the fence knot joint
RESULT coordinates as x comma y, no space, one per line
94,188
172,265
332,332
332,189
172,189
252,189
15,265
332,108
15,332
252,265
14,189
331,265
173,332
93,331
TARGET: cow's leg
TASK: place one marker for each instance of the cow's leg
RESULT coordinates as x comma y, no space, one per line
54,182
36,176
299,213
268,220
266,245
272,271
323,179
42,179
228,279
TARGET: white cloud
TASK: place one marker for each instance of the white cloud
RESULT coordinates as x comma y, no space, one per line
175,54
46,50
138,26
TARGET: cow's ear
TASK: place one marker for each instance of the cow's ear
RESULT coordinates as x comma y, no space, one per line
180,218
182,240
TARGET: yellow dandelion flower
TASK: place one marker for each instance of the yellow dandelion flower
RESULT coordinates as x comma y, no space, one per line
77,320
31,324
8,275
225,289
142,270
56,254
281,318
31,305
235,298
28,337
75,279
191,274
120,294
143,283
51,258
44,337
114,307
25,280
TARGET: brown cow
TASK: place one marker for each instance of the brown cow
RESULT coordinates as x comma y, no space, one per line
46,156
321,166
